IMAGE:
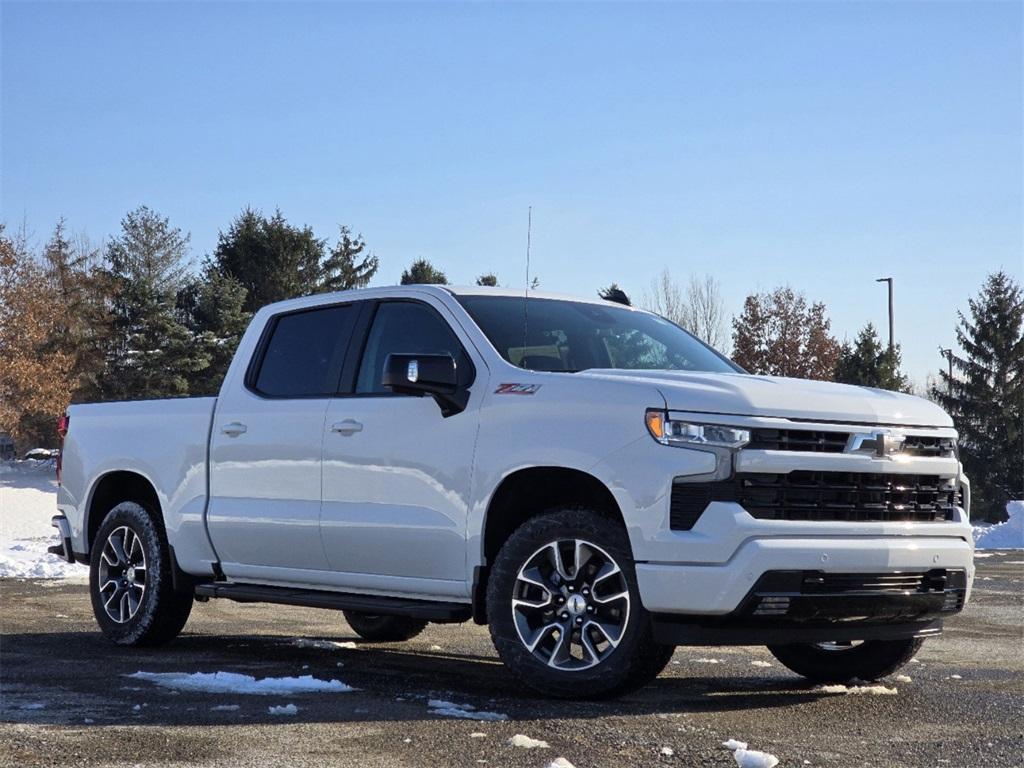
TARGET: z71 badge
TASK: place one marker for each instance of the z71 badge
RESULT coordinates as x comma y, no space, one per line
516,389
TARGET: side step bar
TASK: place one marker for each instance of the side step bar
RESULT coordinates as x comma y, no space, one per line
440,612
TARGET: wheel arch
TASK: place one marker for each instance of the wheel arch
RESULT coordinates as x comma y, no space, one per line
524,494
112,488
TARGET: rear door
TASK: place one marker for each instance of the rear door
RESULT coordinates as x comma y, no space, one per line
265,450
397,473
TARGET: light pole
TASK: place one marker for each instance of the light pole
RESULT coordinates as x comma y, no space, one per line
948,354
892,338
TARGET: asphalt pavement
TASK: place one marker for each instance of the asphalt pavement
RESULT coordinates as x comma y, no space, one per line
66,697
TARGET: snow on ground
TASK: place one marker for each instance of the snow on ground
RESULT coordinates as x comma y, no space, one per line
872,690
326,645
749,758
1008,535
231,682
560,762
28,499
521,740
287,709
464,711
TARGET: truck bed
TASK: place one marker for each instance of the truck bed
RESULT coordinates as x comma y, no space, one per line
165,441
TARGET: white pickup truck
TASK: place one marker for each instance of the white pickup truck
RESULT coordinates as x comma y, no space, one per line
588,479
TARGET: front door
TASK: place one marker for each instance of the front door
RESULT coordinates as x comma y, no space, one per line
266,444
396,472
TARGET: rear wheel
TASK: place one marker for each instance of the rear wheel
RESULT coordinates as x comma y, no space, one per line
841,662
384,629
131,582
564,609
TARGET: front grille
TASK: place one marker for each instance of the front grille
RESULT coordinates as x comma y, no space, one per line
846,496
922,445
820,441
797,440
802,495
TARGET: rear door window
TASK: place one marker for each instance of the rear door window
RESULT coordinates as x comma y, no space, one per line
304,353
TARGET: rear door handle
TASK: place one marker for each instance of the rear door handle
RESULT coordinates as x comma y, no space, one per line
347,427
234,429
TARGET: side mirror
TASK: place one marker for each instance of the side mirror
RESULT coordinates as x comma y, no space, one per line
434,375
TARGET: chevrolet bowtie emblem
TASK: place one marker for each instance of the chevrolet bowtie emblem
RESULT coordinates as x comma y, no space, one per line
882,443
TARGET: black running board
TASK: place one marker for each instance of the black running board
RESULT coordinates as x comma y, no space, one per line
429,610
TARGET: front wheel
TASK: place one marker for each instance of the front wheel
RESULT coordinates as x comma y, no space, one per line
841,662
130,579
564,608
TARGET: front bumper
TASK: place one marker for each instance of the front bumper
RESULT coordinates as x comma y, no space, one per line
718,589
815,606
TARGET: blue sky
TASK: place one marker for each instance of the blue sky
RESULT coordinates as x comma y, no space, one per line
821,145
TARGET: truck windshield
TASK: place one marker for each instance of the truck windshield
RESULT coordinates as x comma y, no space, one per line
571,336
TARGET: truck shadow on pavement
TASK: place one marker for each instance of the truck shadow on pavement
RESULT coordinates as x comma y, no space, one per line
80,678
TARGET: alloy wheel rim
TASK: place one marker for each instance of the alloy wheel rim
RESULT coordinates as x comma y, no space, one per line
122,574
570,604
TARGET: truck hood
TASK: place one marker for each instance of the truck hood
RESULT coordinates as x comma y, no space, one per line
803,399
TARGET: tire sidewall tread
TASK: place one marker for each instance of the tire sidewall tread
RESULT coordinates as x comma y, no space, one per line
164,610
636,660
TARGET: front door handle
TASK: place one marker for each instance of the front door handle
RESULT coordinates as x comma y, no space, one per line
347,427
234,429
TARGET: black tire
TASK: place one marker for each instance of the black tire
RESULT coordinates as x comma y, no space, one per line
870,660
635,661
384,629
160,610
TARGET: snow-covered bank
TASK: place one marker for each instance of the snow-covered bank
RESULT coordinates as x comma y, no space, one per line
28,499
1008,535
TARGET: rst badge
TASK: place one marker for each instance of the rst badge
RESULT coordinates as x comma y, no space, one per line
517,389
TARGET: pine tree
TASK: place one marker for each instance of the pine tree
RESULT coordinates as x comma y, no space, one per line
422,271
490,279
614,293
868,364
346,266
778,334
82,318
213,308
272,259
152,353
986,399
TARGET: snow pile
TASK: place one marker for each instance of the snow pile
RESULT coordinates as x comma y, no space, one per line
519,740
872,690
231,682
325,645
28,499
759,663
749,758
464,711
287,709
1008,535
560,762
667,751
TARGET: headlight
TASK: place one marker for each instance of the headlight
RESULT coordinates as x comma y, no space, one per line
685,434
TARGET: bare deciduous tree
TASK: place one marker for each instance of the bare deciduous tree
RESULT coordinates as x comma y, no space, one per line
699,309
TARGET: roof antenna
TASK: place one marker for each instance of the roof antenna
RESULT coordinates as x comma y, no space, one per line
526,290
